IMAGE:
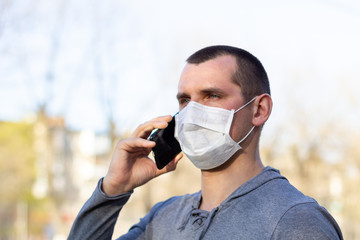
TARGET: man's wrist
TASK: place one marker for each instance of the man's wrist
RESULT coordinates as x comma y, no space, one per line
110,189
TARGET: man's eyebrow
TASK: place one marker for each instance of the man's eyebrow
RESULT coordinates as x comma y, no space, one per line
213,90
210,90
181,95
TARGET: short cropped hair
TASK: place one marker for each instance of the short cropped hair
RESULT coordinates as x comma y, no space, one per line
250,74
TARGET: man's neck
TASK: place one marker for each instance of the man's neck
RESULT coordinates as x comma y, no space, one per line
217,185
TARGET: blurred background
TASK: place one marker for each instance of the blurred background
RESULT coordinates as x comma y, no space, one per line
76,76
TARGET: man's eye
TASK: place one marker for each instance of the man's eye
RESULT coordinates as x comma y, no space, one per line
184,100
213,96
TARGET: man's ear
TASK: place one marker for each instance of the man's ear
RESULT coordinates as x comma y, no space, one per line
262,109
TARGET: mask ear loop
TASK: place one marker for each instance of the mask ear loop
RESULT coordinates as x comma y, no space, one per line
246,104
253,126
246,135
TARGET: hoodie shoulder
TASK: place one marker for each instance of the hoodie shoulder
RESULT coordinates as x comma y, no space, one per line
307,221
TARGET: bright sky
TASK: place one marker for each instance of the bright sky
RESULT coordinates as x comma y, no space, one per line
130,53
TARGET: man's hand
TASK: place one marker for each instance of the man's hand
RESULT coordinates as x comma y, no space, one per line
130,166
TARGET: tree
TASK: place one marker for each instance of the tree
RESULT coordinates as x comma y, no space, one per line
17,173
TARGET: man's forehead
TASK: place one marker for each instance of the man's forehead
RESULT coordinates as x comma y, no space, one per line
217,71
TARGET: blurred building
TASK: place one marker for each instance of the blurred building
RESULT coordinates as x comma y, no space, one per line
69,164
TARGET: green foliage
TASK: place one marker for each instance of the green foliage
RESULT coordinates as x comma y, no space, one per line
17,157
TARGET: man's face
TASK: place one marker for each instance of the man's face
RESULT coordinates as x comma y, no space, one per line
210,83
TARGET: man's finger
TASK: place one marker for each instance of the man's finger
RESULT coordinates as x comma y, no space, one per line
144,130
135,144
171,166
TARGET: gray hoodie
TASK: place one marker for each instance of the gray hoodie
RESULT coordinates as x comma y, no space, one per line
265,207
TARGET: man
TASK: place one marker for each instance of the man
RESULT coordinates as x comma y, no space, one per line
224,101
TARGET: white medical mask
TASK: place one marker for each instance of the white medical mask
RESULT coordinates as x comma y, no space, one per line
204,134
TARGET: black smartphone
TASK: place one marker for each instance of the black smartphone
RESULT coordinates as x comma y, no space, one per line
167,147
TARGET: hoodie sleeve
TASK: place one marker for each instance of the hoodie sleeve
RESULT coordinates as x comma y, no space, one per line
97,218
307,221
